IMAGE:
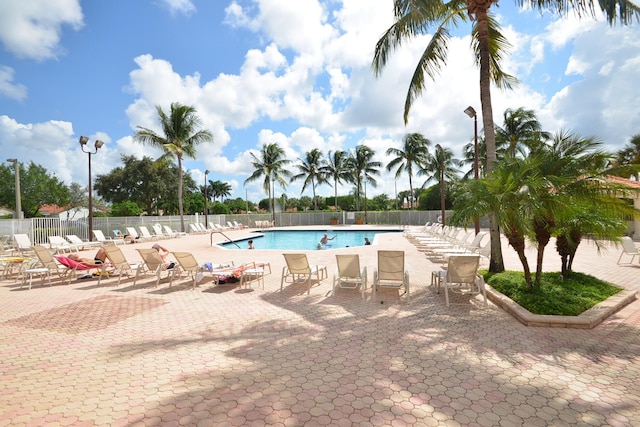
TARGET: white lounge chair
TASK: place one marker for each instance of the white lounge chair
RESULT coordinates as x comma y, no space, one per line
81,244
298,268
628,248
461,276
61,245
348,273
390,272
99,235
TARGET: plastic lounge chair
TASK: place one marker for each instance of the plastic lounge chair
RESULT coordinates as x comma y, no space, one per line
473,247
194,229
99,235
146,234
75,266
118,263
188,264
173,233
461,276
81,244
390,272
158,233
153,264
298,268
348,273
628,248
224,272
23,243
47,261
61,245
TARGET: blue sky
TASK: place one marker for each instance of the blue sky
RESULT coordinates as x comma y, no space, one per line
297,73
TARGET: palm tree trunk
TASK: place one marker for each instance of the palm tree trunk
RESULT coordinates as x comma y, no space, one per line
411,192
496,263
517,243
335,194
180,205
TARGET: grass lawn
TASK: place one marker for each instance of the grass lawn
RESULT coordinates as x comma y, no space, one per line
568,296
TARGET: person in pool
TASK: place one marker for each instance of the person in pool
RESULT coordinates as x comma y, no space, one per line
325,239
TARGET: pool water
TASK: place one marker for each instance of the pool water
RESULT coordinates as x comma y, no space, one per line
307,239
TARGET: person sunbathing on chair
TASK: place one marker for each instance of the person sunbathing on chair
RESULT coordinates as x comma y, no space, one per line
164,254
97,261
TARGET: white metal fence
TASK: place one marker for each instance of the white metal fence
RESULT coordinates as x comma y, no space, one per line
39,229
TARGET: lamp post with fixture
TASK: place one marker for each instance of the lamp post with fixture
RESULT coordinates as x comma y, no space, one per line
16,168
83,145
471,112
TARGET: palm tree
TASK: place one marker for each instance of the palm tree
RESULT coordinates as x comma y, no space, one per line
311,169
630,155
363,169
521,130
416,17
336,168
219,189
270,165
414,153
181,133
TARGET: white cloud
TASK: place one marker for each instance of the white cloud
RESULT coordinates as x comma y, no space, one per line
31,29
8,88
184,7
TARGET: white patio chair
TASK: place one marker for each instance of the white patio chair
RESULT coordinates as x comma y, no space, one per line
628,248
349,275
298,268
461,276
390,272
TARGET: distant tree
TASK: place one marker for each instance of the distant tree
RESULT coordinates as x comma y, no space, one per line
520,132
380,202
363,169
413,154
312,170
237,205
37,187
181,134
270,166
630,155
126,208
219,209
219,189
193,203
337,169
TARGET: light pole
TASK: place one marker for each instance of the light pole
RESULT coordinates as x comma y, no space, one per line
16,168
439,147
469,111
206,210
83,144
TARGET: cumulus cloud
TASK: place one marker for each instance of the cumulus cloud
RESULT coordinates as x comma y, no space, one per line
9,89
185,7
31,29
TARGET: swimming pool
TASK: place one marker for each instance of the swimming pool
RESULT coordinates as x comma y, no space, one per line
307,239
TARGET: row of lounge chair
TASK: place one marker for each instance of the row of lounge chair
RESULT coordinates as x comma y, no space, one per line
198,228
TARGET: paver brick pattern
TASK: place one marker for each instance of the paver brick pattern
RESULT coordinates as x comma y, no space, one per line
84,355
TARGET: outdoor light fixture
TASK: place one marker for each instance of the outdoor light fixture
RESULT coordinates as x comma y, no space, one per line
439,147
16,168
98,144
469,111
206,210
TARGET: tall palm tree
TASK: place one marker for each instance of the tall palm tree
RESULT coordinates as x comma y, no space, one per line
219,189
441,161
521,131
630,155
270,165
414,152
363,169
311,169
416,17
336,168
180,134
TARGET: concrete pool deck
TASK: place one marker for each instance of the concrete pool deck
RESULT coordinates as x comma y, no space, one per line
85,355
